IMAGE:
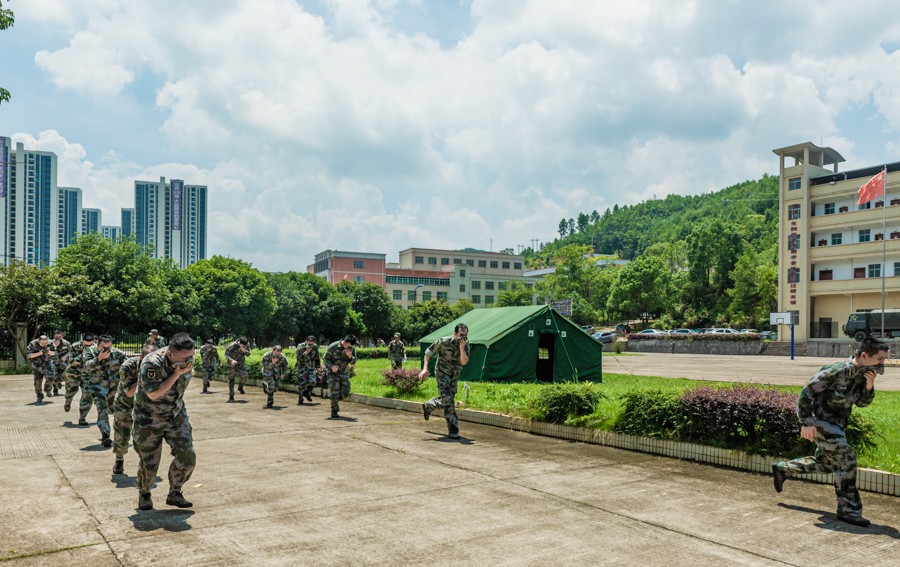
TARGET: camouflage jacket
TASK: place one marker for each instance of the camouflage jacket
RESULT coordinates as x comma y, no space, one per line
97,371
311,360
397,350
234,352
76,349
446,350
128,377
73,370
62,350
831,393
39,363
335,356
272,366
210,357
155,368
160,341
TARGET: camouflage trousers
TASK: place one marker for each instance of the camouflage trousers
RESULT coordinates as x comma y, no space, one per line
446,400
58,379
235,372
833,455
270,385
396,363
148,440
206,374
84,406
100,395
123,423
338,388
43,380
306,379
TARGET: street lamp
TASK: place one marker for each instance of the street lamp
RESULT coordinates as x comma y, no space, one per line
416,291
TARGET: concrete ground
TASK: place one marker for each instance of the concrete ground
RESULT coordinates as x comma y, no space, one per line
290,487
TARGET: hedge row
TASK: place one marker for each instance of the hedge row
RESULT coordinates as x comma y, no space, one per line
698,336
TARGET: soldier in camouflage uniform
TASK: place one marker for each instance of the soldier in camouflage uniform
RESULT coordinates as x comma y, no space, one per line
123,420
160,415
41,356
824,408
274,367
452,354
235,356
155,340
397,352
338,359
72,377
210,359
308,361
61,360
100,377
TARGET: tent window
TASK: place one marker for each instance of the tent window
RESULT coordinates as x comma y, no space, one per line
543,353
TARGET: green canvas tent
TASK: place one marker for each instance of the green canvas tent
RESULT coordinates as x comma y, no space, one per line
531,343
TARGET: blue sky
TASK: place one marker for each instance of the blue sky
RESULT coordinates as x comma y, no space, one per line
380,125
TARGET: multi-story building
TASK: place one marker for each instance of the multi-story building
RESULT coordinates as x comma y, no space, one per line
111,232
338,265
128,222
5,154
70,216
834,255
31,204
170,219
91,220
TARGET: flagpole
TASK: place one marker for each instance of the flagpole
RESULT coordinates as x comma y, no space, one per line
883,246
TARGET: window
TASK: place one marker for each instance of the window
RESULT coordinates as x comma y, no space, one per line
874,270
488,299
445,261
865,206
488,285
826,275
476,299
457,261
837,238
897,268
432,260
359,264
793,275
793,183
420,259
442,296
502,285
359,279
517,265
462,273
482,263
865,235
793,242
398,295
411,295
476,284
829,208
494,264
859,273
505,265
793,212
470,262
462,288
426,295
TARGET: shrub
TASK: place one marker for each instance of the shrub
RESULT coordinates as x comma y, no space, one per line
650,414
404,380
558,403
618,346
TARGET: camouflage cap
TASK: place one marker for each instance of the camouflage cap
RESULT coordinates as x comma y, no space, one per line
396,335
154,332
311,338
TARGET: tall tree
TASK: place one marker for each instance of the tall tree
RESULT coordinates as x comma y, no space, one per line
32,296
563,229
755,291
7,19
372,304
643,287
516,293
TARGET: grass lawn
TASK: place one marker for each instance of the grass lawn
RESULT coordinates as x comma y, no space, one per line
514,399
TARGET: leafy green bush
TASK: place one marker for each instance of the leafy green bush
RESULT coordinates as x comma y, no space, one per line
557,403
651,413
404,380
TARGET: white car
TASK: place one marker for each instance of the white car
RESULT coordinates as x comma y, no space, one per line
723,331
653,332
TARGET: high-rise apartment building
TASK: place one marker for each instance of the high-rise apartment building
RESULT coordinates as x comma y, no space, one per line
31,203
834,253
91,220
128,222
110,232
70,216
170,219
5,152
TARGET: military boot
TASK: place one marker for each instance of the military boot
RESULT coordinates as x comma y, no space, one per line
308,397
334,414
82,421
205,390
300,399
241,389
144,502
270,403
426,411
175,498
105,440
856,520
68,404
119,467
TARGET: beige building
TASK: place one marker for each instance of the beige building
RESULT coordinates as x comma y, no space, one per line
833,254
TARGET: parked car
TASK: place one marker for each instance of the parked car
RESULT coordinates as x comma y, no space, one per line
653,332
722,331
605,336
683,332
623,329
587,328
748,331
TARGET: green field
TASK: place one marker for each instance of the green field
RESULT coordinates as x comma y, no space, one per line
513,399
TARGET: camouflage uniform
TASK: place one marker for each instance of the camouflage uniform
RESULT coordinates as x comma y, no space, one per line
273,370
397,352
165,418
239,370
338,382
123,420
308,361
160,342
825,403
42,368
101,378
210,359
61,360
446,371
72,376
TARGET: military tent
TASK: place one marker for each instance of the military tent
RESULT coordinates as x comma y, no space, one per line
530,343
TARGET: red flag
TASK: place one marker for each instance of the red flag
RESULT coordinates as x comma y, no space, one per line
872,189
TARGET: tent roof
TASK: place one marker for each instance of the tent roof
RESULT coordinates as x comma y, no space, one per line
487,326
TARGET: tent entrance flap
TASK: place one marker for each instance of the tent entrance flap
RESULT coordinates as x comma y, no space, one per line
544,367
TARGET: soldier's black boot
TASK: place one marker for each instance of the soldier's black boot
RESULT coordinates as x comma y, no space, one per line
778,477
270,403
82,421
334,414
68,405
308,396
105,440
241,389
205,390
144,502
300,400
426,411
855,520
119,467
176,498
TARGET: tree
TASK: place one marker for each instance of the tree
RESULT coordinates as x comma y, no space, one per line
582,222
461,307
372,304
575,277
235,298
516,293
563,229
7,19
184,302
32,296
755,291
428,316
309,305
643,287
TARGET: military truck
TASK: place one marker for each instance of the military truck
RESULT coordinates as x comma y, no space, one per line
868,323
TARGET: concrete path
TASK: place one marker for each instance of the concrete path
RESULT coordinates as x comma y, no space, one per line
378,487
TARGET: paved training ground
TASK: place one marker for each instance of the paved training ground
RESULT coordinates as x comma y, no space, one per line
378,487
